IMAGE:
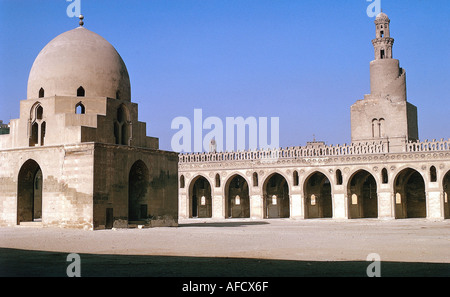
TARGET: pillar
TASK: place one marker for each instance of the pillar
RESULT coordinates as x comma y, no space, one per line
297,210
386,204
339,206
256,207
218,206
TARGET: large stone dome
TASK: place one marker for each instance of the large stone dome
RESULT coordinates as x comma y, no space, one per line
79,58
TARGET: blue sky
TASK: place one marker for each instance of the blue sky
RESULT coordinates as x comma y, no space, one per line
305,62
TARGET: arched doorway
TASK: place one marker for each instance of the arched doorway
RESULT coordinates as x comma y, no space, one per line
237,197
200,201
138,184
362,196
410,198
29,193
317,193
276,197
446,187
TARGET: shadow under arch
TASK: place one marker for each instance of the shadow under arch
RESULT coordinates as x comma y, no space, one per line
276,201
29,192
409,194
362,195
237,197
446,194
138,184
317,196
200,198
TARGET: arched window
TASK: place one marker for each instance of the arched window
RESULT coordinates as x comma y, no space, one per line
255,179
381,127
116,133
122,127
384,176
375,128
41,93
121,114
79,108
80,92
34,137
43,127
118,94
182,182
433,174
217,180
36,125
338,177
39,112
295,177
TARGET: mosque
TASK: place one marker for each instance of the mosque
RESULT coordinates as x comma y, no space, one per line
78,156
385,173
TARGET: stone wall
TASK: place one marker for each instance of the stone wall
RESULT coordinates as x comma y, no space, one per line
338,163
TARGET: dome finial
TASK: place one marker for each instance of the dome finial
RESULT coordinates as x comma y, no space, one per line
81,17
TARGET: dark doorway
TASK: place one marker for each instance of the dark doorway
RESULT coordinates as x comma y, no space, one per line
29,193
200,198
109,218
137,190
362,196
237,198
317,193
410,198
446,186
276,197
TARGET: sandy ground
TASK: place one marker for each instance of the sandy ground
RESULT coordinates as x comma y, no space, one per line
286,243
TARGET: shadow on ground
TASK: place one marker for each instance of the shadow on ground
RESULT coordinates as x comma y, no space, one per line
222,224
14,262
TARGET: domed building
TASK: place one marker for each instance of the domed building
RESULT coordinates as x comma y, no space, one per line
78,156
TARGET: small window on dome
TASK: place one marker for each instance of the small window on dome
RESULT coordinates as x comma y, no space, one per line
118,95
41,93
80,92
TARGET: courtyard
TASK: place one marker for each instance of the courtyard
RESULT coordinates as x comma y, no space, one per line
234,248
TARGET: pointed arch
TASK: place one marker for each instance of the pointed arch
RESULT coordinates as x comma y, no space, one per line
182,182
384,176
446,194
217,180
81,92
200,197
39,112
295,178
79,108
410,197
237,197
276,196
138,184
339,179
255,179
41,93
43,130
363,195
122,125
29,192
317,196
433,174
